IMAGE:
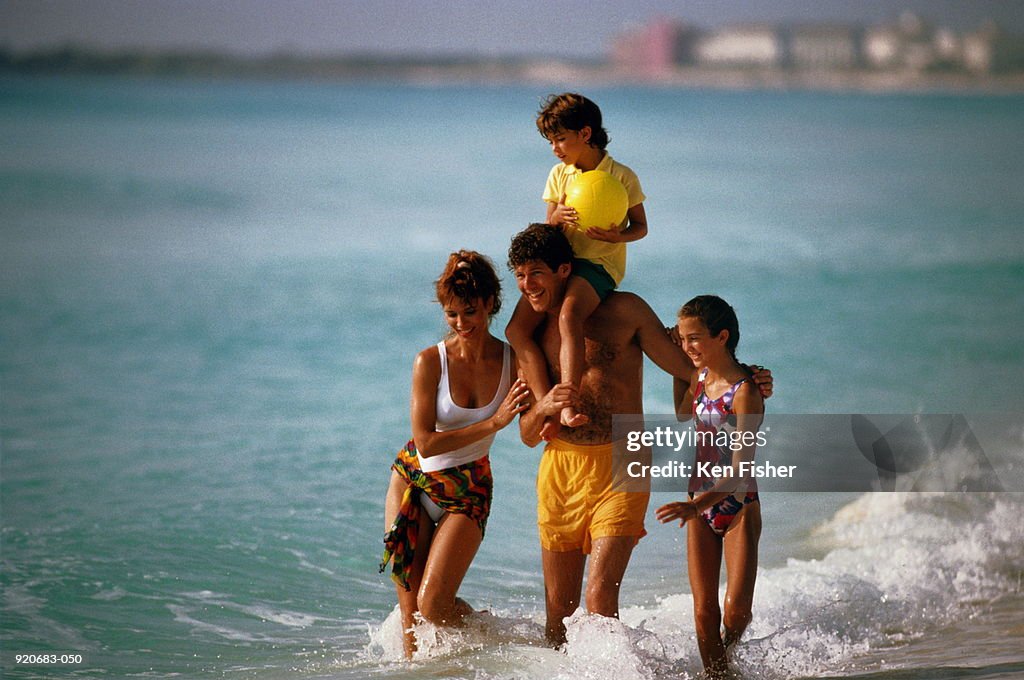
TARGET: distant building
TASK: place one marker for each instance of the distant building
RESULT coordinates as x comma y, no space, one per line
991,50
948,47
823,47
654,48
883,47
906,44
748,45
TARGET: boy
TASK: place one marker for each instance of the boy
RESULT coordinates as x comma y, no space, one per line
572,124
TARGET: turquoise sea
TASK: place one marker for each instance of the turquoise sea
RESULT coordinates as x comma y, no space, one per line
210,297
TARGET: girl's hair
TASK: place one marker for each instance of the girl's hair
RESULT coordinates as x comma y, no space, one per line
717,315
571,111
469,276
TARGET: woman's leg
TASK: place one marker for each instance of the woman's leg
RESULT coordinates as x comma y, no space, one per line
704,561
407,598
741,570
452,550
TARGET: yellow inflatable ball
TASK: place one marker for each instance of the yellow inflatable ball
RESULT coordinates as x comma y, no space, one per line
600,200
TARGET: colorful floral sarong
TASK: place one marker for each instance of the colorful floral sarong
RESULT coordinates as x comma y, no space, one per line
463,490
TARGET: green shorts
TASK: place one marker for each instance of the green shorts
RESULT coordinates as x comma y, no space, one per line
594,274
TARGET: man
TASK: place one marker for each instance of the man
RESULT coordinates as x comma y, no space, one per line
578,513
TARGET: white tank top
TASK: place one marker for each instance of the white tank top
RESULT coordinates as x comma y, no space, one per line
451,416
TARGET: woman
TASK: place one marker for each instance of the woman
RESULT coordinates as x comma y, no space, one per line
439,497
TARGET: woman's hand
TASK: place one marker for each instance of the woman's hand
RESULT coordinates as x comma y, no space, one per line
515,402
683,511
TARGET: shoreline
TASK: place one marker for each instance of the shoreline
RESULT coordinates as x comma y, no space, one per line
470,71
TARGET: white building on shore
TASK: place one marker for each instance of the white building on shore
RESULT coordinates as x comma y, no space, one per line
752,45
823,47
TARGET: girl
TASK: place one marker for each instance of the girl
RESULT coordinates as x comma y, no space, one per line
726,511
439,497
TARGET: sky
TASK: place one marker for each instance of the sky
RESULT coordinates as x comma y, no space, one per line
569,28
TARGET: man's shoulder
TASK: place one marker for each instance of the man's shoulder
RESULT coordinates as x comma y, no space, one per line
623,306
623,299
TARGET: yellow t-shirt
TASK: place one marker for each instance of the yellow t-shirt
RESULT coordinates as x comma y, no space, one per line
611,256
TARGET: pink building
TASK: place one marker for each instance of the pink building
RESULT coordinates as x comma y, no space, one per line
654,48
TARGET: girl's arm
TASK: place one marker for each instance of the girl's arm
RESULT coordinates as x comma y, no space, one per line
682,397
636,228
426,373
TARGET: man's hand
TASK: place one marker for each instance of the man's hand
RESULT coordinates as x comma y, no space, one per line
763,379
673,334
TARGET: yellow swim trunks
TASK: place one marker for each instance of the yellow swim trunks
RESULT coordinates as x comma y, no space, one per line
575,501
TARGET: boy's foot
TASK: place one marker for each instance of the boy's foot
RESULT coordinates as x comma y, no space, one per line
570,418
550,429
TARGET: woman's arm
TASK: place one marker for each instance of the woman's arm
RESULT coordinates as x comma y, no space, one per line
426,373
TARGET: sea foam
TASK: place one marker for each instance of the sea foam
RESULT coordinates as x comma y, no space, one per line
895,567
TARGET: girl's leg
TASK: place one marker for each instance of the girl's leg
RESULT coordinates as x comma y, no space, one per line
704,561
407,598
741,570
452,550
580,302
520,334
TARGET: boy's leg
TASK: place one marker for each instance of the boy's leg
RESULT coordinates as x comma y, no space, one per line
520,333
580,302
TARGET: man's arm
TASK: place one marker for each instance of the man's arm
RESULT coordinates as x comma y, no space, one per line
669,357
655,342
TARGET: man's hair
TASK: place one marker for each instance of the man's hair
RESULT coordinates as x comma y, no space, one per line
541,242
571,111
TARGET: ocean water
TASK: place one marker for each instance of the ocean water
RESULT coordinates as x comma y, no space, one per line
211,294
